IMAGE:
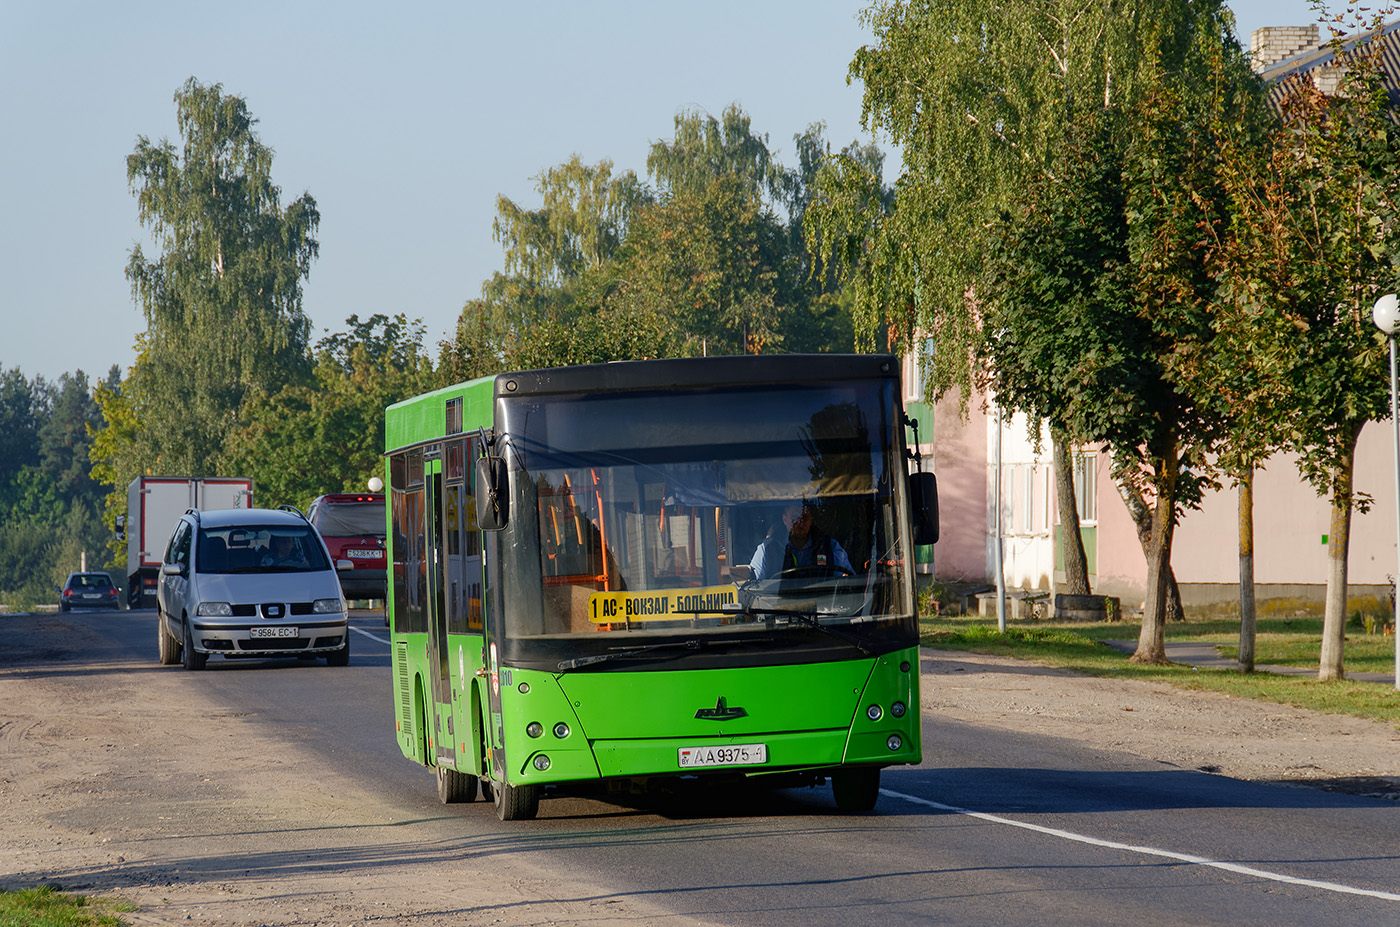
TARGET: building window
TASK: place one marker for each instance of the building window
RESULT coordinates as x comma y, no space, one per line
915,367
1085,484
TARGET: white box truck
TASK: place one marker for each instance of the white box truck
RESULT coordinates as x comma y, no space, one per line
153,505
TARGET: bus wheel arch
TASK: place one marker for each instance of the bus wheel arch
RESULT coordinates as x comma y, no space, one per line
420,719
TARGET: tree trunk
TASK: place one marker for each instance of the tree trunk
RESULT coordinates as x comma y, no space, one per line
1142,521
1247,617
1076,562
1152,640
1330,663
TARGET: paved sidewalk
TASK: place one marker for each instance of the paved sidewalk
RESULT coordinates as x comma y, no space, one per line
1201,653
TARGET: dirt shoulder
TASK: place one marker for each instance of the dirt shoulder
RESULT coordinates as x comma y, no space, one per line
117,777
1208,731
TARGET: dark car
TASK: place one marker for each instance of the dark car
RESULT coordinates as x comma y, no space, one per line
352,524
89,590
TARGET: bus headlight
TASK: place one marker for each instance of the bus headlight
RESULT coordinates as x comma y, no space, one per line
894,742
534,729
874,713
897,709
561,730
541,762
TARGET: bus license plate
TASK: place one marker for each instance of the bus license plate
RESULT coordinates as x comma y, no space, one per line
272,632
732,755
366,554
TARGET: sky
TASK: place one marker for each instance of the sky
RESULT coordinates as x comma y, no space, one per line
404,121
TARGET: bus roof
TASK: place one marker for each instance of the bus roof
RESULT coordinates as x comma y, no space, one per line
422,417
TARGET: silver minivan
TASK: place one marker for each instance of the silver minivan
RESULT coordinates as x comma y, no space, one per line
249,583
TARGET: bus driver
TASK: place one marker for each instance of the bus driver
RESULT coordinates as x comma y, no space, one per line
804,547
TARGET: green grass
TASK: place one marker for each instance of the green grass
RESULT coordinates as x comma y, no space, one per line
1287,634
50,906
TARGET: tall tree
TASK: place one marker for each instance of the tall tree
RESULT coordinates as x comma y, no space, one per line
19,423
705,149
1315,231
985,101
706,265
605,269
65,439
328,435
222,297
583,217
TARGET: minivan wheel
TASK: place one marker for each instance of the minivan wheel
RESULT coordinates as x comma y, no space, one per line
193,659
340,657
167,646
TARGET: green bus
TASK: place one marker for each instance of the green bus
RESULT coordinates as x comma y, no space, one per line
605,576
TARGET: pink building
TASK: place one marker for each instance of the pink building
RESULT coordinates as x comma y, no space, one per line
1291,521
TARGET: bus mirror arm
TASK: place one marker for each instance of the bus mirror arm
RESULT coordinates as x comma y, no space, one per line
491,487
923,505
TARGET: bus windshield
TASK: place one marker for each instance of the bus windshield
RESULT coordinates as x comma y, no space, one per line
761,518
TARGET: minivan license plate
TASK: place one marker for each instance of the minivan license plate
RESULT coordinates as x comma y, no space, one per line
272,632
731,755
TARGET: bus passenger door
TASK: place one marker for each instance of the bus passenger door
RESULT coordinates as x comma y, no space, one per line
444,738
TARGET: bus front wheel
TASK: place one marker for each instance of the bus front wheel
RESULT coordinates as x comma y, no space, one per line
515,802
454,786
856,789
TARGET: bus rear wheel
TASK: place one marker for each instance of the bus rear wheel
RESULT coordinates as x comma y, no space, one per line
515,802
856,789
454,786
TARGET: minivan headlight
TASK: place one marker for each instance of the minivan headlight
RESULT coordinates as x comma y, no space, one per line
327,606
214,610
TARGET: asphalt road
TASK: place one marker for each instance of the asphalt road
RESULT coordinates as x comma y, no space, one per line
994,828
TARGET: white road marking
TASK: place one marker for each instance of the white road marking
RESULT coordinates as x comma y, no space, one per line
369,635
1149,851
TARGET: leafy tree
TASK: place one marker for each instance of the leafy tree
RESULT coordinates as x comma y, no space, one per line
65,438
328,435
48,501
606,270
19,429
705,149
581,222
989,103
1313,240
222,298
706,263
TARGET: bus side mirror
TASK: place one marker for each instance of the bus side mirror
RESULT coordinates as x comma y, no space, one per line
121,527
492,509
923,506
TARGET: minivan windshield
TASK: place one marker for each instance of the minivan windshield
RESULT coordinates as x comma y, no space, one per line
260,549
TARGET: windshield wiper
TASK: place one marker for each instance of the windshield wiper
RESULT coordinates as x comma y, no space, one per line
577,662
801,619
